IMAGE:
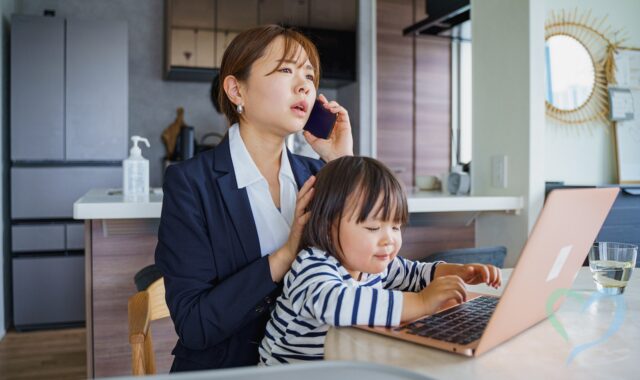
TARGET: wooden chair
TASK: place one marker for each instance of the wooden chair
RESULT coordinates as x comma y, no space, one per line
144,307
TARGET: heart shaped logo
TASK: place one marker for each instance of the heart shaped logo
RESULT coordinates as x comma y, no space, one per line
618,316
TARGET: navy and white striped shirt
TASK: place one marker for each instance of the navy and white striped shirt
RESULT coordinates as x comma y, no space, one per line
318,292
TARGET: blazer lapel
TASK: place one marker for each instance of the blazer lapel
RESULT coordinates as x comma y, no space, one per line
237,202
300,171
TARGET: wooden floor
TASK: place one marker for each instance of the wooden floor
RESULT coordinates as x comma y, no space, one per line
54,354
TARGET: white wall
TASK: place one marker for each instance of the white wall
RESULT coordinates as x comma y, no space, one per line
6,9
508,114
578,155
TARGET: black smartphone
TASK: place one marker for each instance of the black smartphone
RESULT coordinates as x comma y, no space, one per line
321,121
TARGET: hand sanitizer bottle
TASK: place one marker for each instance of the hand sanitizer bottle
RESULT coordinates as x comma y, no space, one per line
136,173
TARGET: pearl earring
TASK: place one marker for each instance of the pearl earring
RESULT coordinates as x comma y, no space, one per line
239,108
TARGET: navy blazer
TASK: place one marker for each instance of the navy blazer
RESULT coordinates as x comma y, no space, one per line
218,286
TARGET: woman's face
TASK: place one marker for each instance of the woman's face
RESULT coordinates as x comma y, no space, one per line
280,101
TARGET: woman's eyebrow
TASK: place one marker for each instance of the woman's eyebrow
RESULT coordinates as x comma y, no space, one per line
307,67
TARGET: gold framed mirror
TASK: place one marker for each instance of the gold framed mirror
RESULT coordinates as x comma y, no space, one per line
578,65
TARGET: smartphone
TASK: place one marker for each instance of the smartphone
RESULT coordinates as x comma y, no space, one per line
321,121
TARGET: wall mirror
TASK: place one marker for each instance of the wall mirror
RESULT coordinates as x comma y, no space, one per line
571,77
579,64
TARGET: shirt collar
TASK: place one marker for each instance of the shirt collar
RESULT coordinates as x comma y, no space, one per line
245,168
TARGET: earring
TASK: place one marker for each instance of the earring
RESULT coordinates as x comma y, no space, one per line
239,108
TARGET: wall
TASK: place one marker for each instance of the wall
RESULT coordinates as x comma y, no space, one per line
6,9
586,156
152,100
508,114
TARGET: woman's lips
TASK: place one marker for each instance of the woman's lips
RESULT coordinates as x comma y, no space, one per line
300,108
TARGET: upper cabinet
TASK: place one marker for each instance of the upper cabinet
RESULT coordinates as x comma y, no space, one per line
199,31
69,89
37,88
288,12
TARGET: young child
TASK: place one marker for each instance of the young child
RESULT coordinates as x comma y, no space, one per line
349,273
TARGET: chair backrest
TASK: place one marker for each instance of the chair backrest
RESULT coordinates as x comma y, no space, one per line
144,307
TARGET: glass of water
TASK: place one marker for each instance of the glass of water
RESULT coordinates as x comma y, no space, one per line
611,265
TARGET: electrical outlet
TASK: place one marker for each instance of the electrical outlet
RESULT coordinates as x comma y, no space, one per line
499,171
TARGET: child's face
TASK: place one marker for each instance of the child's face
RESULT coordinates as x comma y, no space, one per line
368,246
271,100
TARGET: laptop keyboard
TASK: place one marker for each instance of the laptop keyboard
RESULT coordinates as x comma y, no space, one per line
461,324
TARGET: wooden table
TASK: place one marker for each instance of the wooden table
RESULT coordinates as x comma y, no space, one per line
538,353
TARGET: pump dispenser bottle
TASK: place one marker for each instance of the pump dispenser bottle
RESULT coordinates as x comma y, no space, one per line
136,173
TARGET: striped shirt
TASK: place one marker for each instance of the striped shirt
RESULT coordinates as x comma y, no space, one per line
319,292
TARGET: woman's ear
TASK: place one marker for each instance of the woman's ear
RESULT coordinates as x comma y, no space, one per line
232,88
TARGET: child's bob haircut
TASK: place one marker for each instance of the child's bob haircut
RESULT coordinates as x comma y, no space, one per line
352,185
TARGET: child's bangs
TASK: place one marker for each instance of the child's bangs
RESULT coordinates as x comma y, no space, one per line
382,197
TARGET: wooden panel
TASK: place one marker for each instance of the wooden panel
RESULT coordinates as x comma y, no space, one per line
421,241
116,257
395,87
433,106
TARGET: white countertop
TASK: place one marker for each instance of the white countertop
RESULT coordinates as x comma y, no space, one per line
110,204
540,352
436,201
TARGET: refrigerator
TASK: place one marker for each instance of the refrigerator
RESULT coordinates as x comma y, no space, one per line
68,134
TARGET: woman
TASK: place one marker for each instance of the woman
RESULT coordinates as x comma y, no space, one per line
232,217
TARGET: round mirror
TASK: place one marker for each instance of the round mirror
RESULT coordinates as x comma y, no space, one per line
570,73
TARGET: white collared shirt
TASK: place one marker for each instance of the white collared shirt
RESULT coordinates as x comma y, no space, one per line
273,225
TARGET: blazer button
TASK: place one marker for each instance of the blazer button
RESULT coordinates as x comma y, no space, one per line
268,300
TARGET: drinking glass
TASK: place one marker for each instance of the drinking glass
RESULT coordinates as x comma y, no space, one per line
611,265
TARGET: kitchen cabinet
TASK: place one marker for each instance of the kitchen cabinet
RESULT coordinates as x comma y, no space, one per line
37,238
288,12
49,192
340,15
69,132
198,33
47,237
69,88
48,290
37,88
223,39
237,15
96,87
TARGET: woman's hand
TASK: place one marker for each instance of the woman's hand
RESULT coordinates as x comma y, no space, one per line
340,142
472,274
280,261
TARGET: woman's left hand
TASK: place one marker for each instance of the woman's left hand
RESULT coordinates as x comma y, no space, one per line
340,142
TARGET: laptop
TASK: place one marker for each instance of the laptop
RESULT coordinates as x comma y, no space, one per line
550,260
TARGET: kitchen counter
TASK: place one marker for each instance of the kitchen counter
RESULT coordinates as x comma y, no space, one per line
110,204
121,237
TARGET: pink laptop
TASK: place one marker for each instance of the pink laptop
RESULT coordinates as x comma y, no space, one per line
550,260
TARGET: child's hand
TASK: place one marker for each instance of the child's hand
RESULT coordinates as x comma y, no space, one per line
442,290
474,274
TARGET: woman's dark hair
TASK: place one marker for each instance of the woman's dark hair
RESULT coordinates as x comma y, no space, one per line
248,46
358,182
214,92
